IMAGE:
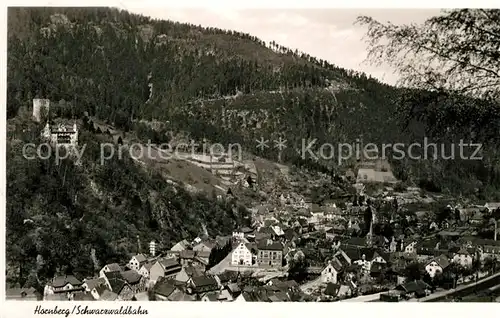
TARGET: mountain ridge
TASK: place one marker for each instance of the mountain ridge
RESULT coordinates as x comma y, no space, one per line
99,61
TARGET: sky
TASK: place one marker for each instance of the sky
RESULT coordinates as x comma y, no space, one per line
328,34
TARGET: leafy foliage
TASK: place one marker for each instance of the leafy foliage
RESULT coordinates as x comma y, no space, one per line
58,213
455,51
222,85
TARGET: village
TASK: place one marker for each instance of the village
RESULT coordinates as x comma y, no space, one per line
397,243
322,246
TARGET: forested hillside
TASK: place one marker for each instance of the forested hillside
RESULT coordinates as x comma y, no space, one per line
208,83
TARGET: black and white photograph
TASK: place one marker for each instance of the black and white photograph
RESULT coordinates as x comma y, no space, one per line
250,155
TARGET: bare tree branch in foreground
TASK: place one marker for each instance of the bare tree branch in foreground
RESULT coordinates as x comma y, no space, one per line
458,51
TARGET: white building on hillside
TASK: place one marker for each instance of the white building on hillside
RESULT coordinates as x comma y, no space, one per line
242,255
61,134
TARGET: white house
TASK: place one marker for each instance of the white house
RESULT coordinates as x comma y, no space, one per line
61,134
242,255
364,263
463,257
137,261
369,258
330,272
114,267
437,265
97,291
411,248
238,235
145,269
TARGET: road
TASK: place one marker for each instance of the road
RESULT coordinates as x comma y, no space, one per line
365,298
462,290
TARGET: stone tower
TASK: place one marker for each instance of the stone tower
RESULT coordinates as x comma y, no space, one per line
40,108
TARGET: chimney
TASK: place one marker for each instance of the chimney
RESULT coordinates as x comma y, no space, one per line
269,241
363,257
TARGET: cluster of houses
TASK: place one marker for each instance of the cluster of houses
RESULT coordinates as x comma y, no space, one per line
342,260
344,256
180,275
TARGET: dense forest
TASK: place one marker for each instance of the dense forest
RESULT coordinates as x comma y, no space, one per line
210,83
67,218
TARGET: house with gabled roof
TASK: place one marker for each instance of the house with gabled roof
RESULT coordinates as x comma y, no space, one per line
89,284
437,265
201,259
180,246
368,256
187,257
99,290
163,289
113,267
164,267
118,283
137,261
146,268
342,258
202,284
428,248
410,247
204,246
347,254
135,281
416,288
114,281
65,284
234,290
243,254
463,257
187,272
330,272
277,230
